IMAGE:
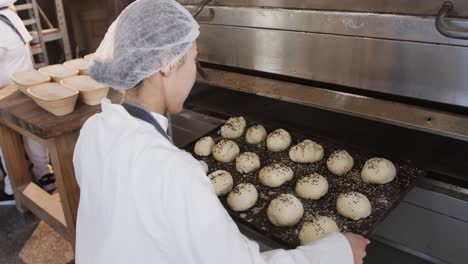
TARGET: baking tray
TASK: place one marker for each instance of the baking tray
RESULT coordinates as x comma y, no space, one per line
382,197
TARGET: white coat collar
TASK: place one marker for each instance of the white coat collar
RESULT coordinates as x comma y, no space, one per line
162,120
107,105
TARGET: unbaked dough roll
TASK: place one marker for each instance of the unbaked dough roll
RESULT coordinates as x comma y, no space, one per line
306,152
234,128
285,210
278,140
225,151
319,228
353,205
247,162
340,162
222,182
255,134
275,175
204,146
242,197
312,187
378,171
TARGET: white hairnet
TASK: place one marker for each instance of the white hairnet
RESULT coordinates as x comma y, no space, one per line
149,36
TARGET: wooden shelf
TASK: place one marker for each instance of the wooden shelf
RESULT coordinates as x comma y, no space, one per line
47,35
47,207
23,7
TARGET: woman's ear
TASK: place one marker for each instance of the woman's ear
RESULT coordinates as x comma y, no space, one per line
168,72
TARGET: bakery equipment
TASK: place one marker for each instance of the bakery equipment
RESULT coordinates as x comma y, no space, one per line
382,76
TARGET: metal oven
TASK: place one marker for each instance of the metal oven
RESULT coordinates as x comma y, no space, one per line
387,76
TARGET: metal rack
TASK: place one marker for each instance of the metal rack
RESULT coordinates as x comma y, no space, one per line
41,36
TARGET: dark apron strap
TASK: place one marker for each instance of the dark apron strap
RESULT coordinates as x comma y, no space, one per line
7,21
142,114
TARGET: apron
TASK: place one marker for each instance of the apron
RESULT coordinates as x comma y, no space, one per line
142,114
7,21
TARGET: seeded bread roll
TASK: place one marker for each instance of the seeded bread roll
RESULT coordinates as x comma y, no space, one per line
278,140
234,128
275,175
222,182
353,205
285,210
312,187
255,134
204,146
225,151
306,152
242,197
340,162
319,228
378,171
247,162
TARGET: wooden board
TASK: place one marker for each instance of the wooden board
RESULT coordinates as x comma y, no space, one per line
47,207
22,111
61,152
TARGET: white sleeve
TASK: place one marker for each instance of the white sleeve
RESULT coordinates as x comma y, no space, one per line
205,233
330,250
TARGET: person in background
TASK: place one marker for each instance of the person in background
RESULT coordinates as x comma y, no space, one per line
143,200
14,57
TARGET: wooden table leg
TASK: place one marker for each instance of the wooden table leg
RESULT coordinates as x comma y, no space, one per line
15,160
61,151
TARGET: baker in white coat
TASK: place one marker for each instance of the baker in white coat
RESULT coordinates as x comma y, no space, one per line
15,57
143,200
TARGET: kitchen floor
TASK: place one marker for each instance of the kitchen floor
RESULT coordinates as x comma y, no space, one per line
25,239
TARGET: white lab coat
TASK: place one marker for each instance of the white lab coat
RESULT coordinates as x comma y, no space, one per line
14,54
143,200
15,57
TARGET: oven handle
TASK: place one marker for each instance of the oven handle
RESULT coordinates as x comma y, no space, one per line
200,9
443,24
208,18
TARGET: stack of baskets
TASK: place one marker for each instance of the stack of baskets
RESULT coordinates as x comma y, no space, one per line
56,88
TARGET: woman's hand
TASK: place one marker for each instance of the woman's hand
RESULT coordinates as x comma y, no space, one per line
358,246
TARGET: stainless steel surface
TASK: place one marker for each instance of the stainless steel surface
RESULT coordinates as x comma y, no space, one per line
438,201
417,7
418,225
372,25
417,70
449,189
411,251
429,120
446,27
189,125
